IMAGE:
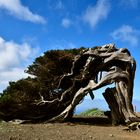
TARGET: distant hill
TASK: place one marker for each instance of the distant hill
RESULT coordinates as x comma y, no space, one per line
99,103
89,104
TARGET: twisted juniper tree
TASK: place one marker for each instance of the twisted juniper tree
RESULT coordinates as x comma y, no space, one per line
86,76
90,70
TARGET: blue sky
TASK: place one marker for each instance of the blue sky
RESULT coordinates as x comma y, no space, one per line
29,28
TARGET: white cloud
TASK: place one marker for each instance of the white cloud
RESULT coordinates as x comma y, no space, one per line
14,60
94,14
13,74
127,34
12,53
129,3
15,8
66,22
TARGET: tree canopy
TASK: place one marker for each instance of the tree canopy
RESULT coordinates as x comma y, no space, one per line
18,99
63,77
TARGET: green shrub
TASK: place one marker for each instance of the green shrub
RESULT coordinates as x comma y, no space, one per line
93,112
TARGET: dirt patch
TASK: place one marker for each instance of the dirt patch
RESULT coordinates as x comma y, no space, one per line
78,129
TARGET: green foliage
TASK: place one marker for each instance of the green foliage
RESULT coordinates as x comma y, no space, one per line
16,101
92,112
50,67
20,91
19,97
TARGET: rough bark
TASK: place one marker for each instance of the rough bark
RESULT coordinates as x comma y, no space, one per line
87,75
83,79
113,101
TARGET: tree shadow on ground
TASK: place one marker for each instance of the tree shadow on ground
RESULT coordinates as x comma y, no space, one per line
91,120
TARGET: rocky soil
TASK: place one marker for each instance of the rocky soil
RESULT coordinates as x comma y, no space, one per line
78,129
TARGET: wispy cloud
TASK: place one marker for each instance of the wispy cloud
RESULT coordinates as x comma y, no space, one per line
94,14
14,59
59,5
66,22
126,33
55,4
129,3
15,8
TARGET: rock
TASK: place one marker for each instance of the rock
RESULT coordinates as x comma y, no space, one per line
111,135
16,121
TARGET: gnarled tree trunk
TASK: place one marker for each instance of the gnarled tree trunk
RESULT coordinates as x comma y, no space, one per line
116,65
92,69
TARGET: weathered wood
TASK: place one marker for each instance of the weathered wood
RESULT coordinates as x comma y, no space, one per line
119,67
111,97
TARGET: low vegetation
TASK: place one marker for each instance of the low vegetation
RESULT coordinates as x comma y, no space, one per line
92,112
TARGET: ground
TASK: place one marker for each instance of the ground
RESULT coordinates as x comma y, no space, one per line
79,129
